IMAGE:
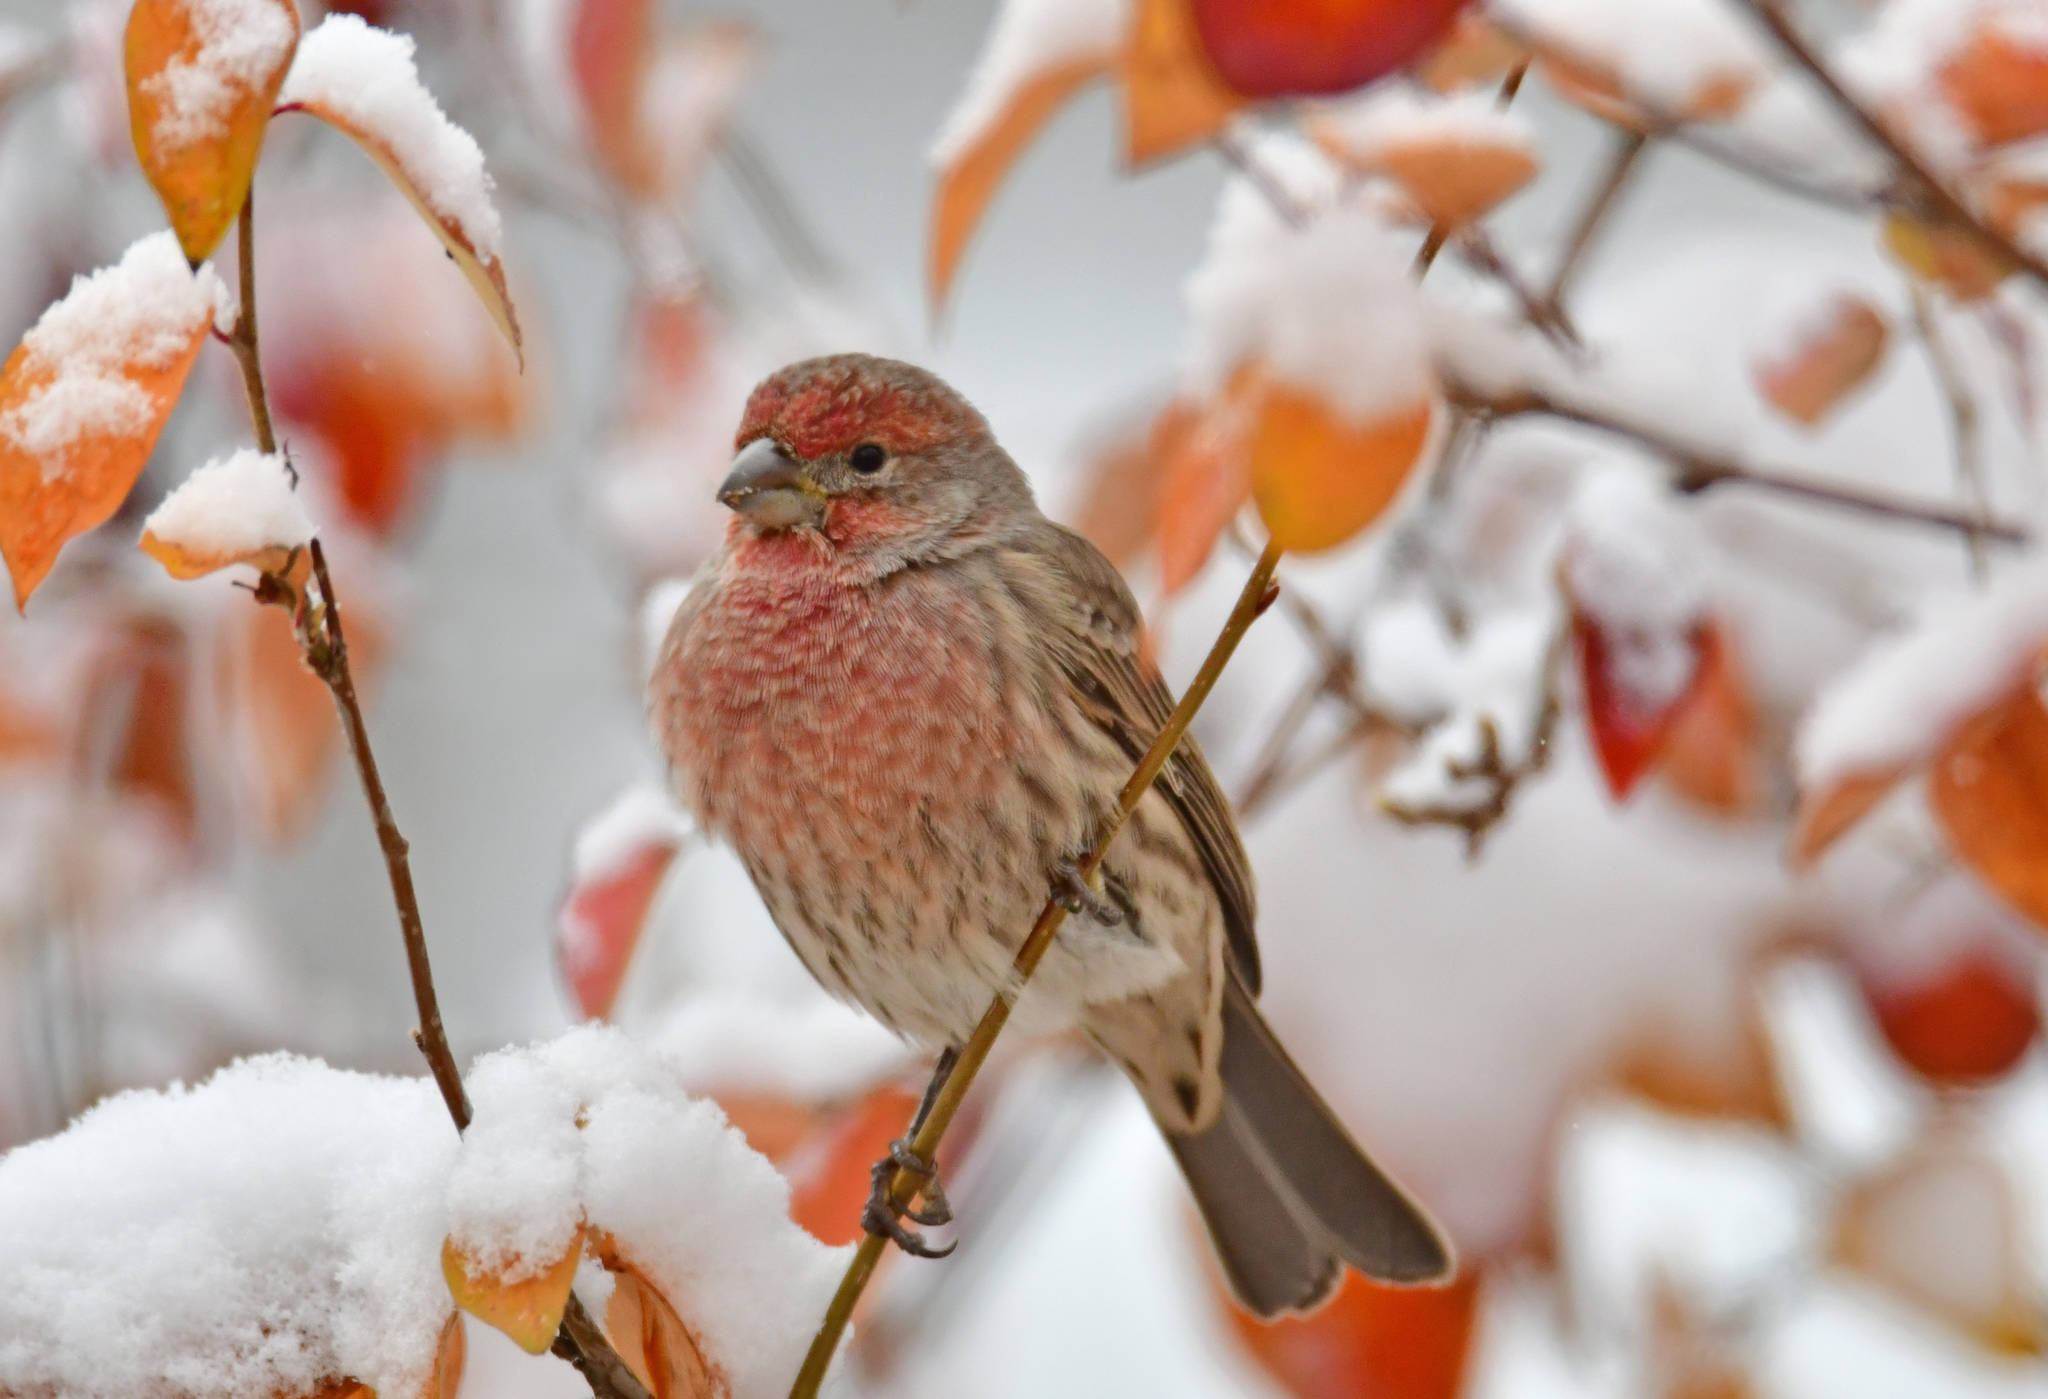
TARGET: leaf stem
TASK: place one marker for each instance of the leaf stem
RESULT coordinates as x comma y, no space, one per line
1259,593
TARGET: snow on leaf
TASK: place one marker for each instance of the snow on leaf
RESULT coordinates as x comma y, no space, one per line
1831,353
240,509
1037,55
1171,95
1295,48
361,79
280,1240
620,858
1633,568
84,396
1695,59
747,1282
1455,157
1989,790
1475,51
528,1304
201,78
1910,694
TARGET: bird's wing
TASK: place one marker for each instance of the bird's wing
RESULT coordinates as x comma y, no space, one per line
1098,635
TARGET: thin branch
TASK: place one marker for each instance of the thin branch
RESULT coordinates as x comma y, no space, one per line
1544,313
1621,166
1702,468
1962,409
1258,594
1292,211
763,192
1925,183
325,644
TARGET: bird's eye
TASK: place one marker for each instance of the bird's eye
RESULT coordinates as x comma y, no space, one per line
868,458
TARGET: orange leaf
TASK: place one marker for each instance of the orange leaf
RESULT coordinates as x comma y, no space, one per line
1825,816
201,81
1998,86
968,176
1294,48
1452,177
1172,96
84,396
1370,1341
1119,505
653,1340
611,44
1989,789
1206,461
1597,90
1713,754
1476,51
1962,1022
528,1310
1830,359
434,163
1318,478
242,509
620,860
1968,267
829,1178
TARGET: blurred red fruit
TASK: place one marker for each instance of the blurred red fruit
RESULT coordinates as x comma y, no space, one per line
1292,48
1964,1023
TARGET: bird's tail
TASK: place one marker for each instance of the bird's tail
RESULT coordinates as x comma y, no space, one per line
1287,1195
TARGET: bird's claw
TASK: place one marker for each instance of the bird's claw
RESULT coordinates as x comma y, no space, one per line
882,1215
1077,896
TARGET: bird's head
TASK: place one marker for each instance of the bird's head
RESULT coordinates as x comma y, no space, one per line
869,456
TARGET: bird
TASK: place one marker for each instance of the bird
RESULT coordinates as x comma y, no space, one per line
907,700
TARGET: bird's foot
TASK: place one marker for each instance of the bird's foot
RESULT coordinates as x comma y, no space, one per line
1076,895
885,1217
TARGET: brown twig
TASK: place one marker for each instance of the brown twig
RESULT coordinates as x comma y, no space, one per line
1477,248
1258,594
1923,182
325,645
1962,409
1621,167
1701,468
1292,211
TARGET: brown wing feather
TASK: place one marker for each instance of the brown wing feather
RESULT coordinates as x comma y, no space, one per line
1101,652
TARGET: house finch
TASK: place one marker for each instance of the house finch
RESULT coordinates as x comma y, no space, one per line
907,700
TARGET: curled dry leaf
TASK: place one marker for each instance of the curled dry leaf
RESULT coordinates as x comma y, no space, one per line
1963,264
1298,48
361,80
653,1341
202,76
1989,789
968,176
1172,96
1998,84
1413,1342
528,1309
1829,358
84,396
1319,478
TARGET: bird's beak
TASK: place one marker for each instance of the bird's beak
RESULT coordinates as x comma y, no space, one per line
770,488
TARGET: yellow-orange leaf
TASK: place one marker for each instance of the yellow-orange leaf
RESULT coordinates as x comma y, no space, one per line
449,1359
1455,181
1968,267
434,163
1595,89
529,1310
968,177
202,78
84,396
1831,357
1476,51
1999,86
652,1339
241,509
1989,789
1320,479
1826,816
1172,95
